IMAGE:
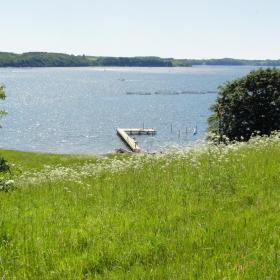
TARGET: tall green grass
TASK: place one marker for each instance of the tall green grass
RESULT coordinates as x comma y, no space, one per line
206,213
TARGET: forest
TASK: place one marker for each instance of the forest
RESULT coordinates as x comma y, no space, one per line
45,59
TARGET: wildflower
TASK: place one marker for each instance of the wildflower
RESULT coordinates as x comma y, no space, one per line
9,182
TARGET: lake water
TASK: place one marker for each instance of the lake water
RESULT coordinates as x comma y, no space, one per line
77,110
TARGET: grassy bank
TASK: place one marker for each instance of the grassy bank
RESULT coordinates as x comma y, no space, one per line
205,213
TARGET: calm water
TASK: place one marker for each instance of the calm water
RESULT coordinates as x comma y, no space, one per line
77,110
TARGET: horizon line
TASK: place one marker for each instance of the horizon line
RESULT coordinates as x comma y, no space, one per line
134,56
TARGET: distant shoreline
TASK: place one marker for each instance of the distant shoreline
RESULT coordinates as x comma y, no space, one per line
45,59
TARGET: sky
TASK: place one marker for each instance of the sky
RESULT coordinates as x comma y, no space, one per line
166,28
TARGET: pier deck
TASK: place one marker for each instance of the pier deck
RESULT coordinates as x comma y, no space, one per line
130,142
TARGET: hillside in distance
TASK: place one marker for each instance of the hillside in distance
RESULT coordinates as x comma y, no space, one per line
46,59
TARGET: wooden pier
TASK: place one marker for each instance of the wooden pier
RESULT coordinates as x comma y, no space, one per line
129,141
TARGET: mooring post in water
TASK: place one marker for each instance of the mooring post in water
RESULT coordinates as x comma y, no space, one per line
171,128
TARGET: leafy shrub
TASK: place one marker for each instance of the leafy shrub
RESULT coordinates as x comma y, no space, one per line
4,167
6,184
247,105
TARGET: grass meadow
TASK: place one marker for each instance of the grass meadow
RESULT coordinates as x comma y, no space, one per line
206,212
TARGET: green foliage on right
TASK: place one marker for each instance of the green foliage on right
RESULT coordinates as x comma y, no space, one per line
206,214
247,106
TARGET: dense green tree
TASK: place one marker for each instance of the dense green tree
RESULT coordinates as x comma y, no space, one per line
4,167
248,105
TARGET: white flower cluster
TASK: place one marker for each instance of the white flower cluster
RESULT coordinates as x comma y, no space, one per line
7,185
106,164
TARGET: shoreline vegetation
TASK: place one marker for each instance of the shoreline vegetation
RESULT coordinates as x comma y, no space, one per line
45,59
204,212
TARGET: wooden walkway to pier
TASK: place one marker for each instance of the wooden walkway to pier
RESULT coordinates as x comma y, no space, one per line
129,141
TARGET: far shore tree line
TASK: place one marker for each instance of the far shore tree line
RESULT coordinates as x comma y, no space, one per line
45,59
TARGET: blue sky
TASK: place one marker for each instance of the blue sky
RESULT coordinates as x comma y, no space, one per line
167,28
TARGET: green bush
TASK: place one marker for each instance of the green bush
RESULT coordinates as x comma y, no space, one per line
247,106
4,167
6,184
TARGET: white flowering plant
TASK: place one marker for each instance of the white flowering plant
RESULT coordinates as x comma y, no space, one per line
7,185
